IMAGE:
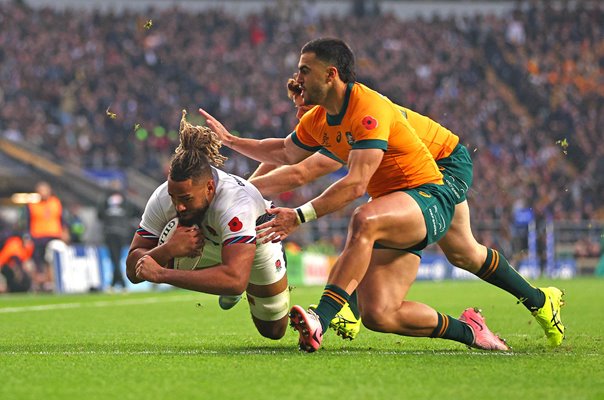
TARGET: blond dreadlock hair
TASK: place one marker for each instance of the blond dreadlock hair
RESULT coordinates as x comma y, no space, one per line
199,147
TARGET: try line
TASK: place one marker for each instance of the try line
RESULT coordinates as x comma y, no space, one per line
101,303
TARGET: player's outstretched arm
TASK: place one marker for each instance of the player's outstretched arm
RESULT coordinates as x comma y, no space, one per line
288,177
229,278
362,165
275,151
186,242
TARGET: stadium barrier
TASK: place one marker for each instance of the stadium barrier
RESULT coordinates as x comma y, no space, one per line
85,268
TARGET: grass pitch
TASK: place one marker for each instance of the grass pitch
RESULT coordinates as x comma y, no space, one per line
179,344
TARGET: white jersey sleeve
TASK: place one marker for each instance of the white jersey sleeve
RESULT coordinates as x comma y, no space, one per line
158,211
237,222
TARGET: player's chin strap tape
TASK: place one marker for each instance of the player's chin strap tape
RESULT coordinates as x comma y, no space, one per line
305,213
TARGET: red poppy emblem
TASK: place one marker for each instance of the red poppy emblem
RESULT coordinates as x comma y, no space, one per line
369,123
235,225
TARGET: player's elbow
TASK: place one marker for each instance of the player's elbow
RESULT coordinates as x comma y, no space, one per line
354,186
131,275
357,190
300,177
237,285
131,260
134,279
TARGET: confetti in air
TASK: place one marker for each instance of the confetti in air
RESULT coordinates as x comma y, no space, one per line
149,24
563,144
110,114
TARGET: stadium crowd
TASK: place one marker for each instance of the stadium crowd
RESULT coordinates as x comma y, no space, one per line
523,91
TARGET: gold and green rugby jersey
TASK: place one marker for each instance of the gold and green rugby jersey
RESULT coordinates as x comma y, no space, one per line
440,141
369,120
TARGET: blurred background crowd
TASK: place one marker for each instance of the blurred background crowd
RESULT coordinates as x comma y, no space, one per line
523,90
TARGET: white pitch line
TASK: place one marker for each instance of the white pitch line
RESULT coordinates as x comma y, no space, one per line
344,353
100,303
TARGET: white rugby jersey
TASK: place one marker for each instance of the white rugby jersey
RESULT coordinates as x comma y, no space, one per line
232,216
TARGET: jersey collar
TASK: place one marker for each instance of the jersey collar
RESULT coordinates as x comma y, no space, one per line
333,120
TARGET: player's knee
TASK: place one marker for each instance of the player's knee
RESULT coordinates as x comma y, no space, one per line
362,223
375,319
274,330
270,314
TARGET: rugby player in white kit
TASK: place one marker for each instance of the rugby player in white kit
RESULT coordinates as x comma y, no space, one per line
217,218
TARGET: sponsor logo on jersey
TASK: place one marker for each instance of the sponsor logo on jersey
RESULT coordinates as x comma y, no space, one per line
325,140
339,137
369,122
349,138
235,225
424,194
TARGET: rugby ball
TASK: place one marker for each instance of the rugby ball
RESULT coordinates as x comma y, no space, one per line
179,262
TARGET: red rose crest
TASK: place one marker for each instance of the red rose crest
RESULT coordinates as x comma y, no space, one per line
235,225
369,122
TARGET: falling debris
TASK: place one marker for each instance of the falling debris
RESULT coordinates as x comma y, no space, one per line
563,144
149,24
110,114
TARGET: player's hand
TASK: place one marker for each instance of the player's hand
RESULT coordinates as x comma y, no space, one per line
224,135
280,227
187,241
148,269
301,110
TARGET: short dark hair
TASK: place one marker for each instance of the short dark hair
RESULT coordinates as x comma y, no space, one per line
336,52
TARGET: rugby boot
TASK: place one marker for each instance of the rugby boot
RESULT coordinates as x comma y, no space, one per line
308,325
228,302
483,337
345,324
548,316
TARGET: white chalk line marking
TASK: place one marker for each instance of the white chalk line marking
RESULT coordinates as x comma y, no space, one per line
100,303
281,351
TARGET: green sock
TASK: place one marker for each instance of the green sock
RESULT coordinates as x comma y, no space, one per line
354,305
497,271
452,329
332,301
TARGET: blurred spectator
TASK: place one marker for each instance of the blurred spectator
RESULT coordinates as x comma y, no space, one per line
587,247
116,214
523,91
44,221
15,252
76,225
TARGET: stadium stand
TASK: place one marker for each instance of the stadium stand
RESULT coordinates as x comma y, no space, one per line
102,91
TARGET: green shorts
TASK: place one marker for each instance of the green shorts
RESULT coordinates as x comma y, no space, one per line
457,172
437,203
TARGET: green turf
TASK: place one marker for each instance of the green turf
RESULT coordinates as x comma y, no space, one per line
180,345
